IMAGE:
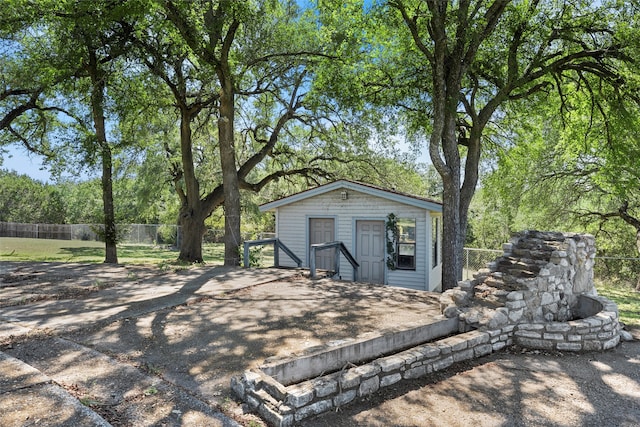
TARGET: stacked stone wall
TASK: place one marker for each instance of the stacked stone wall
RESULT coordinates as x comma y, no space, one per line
598,332
543,286
285,406
539,294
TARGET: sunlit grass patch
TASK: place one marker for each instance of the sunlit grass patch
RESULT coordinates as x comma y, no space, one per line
83,251
625,296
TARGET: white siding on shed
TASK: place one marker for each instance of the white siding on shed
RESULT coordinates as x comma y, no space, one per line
292,222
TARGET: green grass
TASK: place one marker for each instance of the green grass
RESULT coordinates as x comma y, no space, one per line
624,295
49,250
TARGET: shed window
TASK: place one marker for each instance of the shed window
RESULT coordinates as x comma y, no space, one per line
406,244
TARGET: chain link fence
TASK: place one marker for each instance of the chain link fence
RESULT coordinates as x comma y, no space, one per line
606,267
149,234
476,259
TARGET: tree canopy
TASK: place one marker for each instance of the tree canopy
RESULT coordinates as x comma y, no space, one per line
227,96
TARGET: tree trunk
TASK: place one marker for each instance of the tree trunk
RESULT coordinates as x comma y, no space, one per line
192,214
638,249
110,233
193,229
231,188
97,110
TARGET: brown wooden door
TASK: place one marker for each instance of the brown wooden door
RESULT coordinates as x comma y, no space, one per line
322,230
370,251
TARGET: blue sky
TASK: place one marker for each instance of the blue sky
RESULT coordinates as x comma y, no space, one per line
19,160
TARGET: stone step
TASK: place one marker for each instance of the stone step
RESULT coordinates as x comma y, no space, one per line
120,393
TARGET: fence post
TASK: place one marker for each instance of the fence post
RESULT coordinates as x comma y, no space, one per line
246,255
312,262
467,273
276,253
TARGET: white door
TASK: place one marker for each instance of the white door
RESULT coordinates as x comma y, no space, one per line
322,230
370,251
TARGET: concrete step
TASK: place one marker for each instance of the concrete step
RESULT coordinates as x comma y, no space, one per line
29,397
120,393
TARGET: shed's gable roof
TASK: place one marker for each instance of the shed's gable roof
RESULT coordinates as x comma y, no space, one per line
371,190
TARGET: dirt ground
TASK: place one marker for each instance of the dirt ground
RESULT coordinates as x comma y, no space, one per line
141,346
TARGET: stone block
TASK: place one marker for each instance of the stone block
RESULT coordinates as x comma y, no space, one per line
573,337
274,388
369,386
451,311
344,398
571,346
528,334
274,417
605,335
299,395
368,370
459,356
444,348
443,363
251,378
497,320
530,327
592,346
514,305
350,379
411,356
515,296
418,372
475,338
516,315
482,350
252,401
535,343
456,342
237,386
390,363
546,298
313,409
325,386
550,336
611,343
557,327
390,379
429,351
498,345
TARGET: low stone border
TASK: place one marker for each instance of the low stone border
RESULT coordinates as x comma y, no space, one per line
600,331
283,406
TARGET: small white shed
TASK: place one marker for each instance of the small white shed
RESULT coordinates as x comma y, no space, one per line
362,216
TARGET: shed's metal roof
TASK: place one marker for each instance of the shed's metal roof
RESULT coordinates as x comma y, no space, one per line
372,190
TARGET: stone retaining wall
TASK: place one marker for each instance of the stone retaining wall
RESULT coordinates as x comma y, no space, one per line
284,406
600,331
539,294
543,285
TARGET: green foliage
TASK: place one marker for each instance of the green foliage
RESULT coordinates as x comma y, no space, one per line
24,200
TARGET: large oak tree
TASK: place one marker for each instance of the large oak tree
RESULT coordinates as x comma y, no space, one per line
458,65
